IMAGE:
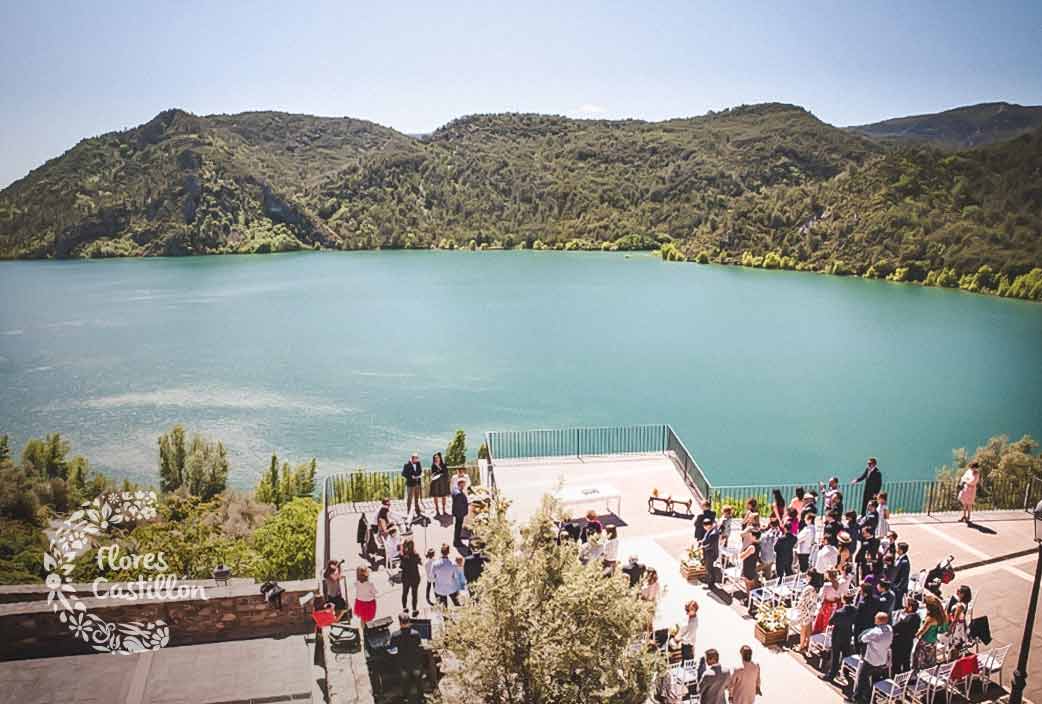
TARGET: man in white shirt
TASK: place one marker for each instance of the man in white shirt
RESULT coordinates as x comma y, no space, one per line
873,668
445,583
805,542
688,631
826,559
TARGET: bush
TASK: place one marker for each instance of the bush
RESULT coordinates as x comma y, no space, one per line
285,544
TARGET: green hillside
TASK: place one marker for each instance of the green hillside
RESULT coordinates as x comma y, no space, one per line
764,185
960,128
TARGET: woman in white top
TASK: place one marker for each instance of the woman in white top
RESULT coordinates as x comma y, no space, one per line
968,490
805,542
688,631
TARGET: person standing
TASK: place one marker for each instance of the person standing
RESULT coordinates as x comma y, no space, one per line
712,685
689,631
444,572
428,567
750,557
744,686
439,485
805,542
842,622
873,479
906,624
768,539
413,473
902,573
877,643
824,562
410,565
968,490
460,509
700,520
409,657
710,550
365,597
783,552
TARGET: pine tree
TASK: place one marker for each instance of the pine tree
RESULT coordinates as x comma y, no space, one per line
456,453
172,459
5,449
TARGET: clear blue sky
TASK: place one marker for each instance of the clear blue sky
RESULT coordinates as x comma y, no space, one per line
76,69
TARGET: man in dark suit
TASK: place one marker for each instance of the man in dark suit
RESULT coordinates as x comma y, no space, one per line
413,473
409,658
842,622
700,520
460,509
710,550
902,571
873,479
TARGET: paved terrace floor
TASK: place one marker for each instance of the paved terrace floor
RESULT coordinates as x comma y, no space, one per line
1002,586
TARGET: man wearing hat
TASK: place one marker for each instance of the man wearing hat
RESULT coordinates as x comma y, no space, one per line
413,473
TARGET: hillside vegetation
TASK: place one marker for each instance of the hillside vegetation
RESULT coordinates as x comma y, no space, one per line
765,185
960,128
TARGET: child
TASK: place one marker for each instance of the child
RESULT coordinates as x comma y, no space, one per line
883,526
461,579
391,546
365,597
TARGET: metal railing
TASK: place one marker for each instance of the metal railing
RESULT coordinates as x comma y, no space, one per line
694,474
363,485
576,442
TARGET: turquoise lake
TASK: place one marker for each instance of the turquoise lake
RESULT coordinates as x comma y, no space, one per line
360,358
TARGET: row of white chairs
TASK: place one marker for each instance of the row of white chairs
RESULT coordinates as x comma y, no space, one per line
921,687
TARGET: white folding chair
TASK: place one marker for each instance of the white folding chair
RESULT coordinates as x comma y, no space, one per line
938,680
991,664
892,690
765,595
820,643
851,664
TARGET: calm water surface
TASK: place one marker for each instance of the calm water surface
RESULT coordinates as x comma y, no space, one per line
360,358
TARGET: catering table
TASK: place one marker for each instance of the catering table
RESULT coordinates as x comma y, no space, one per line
591,493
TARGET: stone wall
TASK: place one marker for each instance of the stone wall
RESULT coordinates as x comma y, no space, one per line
30,629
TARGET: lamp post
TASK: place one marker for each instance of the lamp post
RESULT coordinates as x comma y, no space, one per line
1020,675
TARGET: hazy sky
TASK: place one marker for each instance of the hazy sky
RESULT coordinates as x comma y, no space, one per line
75,69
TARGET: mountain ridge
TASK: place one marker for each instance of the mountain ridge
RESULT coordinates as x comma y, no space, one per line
732,186
959,128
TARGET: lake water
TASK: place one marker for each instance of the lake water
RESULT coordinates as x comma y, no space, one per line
360,358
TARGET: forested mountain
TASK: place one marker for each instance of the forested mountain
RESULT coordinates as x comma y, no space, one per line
960,128
766,185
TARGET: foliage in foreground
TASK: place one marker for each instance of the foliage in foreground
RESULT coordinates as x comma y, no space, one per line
542,628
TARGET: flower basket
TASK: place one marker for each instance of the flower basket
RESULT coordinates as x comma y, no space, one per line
770,638
691,567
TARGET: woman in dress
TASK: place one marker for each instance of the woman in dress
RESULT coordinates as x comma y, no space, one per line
968,490
365,597
831,595
959,617
778,506
410,564
611,550
439,484
752,515
806,611
651,588
935,623
750,557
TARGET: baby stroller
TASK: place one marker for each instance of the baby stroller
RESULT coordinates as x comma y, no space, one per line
942,574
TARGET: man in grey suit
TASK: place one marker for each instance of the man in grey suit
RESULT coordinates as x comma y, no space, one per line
712,685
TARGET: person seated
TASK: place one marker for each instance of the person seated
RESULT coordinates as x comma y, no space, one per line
634,570
410,657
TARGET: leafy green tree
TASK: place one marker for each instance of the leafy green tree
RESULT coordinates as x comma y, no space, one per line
21,545
456,453
267,490
5,449
17,499
285,543
277,487
172,456
46,458
543,627
206,468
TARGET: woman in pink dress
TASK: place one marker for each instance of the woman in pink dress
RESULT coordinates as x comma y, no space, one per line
968,490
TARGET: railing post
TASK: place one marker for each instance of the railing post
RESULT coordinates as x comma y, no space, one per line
578,449
929,499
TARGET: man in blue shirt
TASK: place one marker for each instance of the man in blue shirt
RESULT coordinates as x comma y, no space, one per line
877,642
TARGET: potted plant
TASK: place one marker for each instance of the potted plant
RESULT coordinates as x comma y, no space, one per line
692,567
772,625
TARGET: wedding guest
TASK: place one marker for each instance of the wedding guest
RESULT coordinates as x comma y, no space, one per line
752,515
410,564
824,561
797,500
783,550
713,683
445,583
877,641
806,611
593,525
778,507
744,685
843,621
428,566
924,655
968,490
883,527
710,552
831,597
792,521
700,519
332,587
365,597
611,550
651,589
689,631
906,625
439,484
768,540
460,509
725,526
902,572
750,557
805,542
